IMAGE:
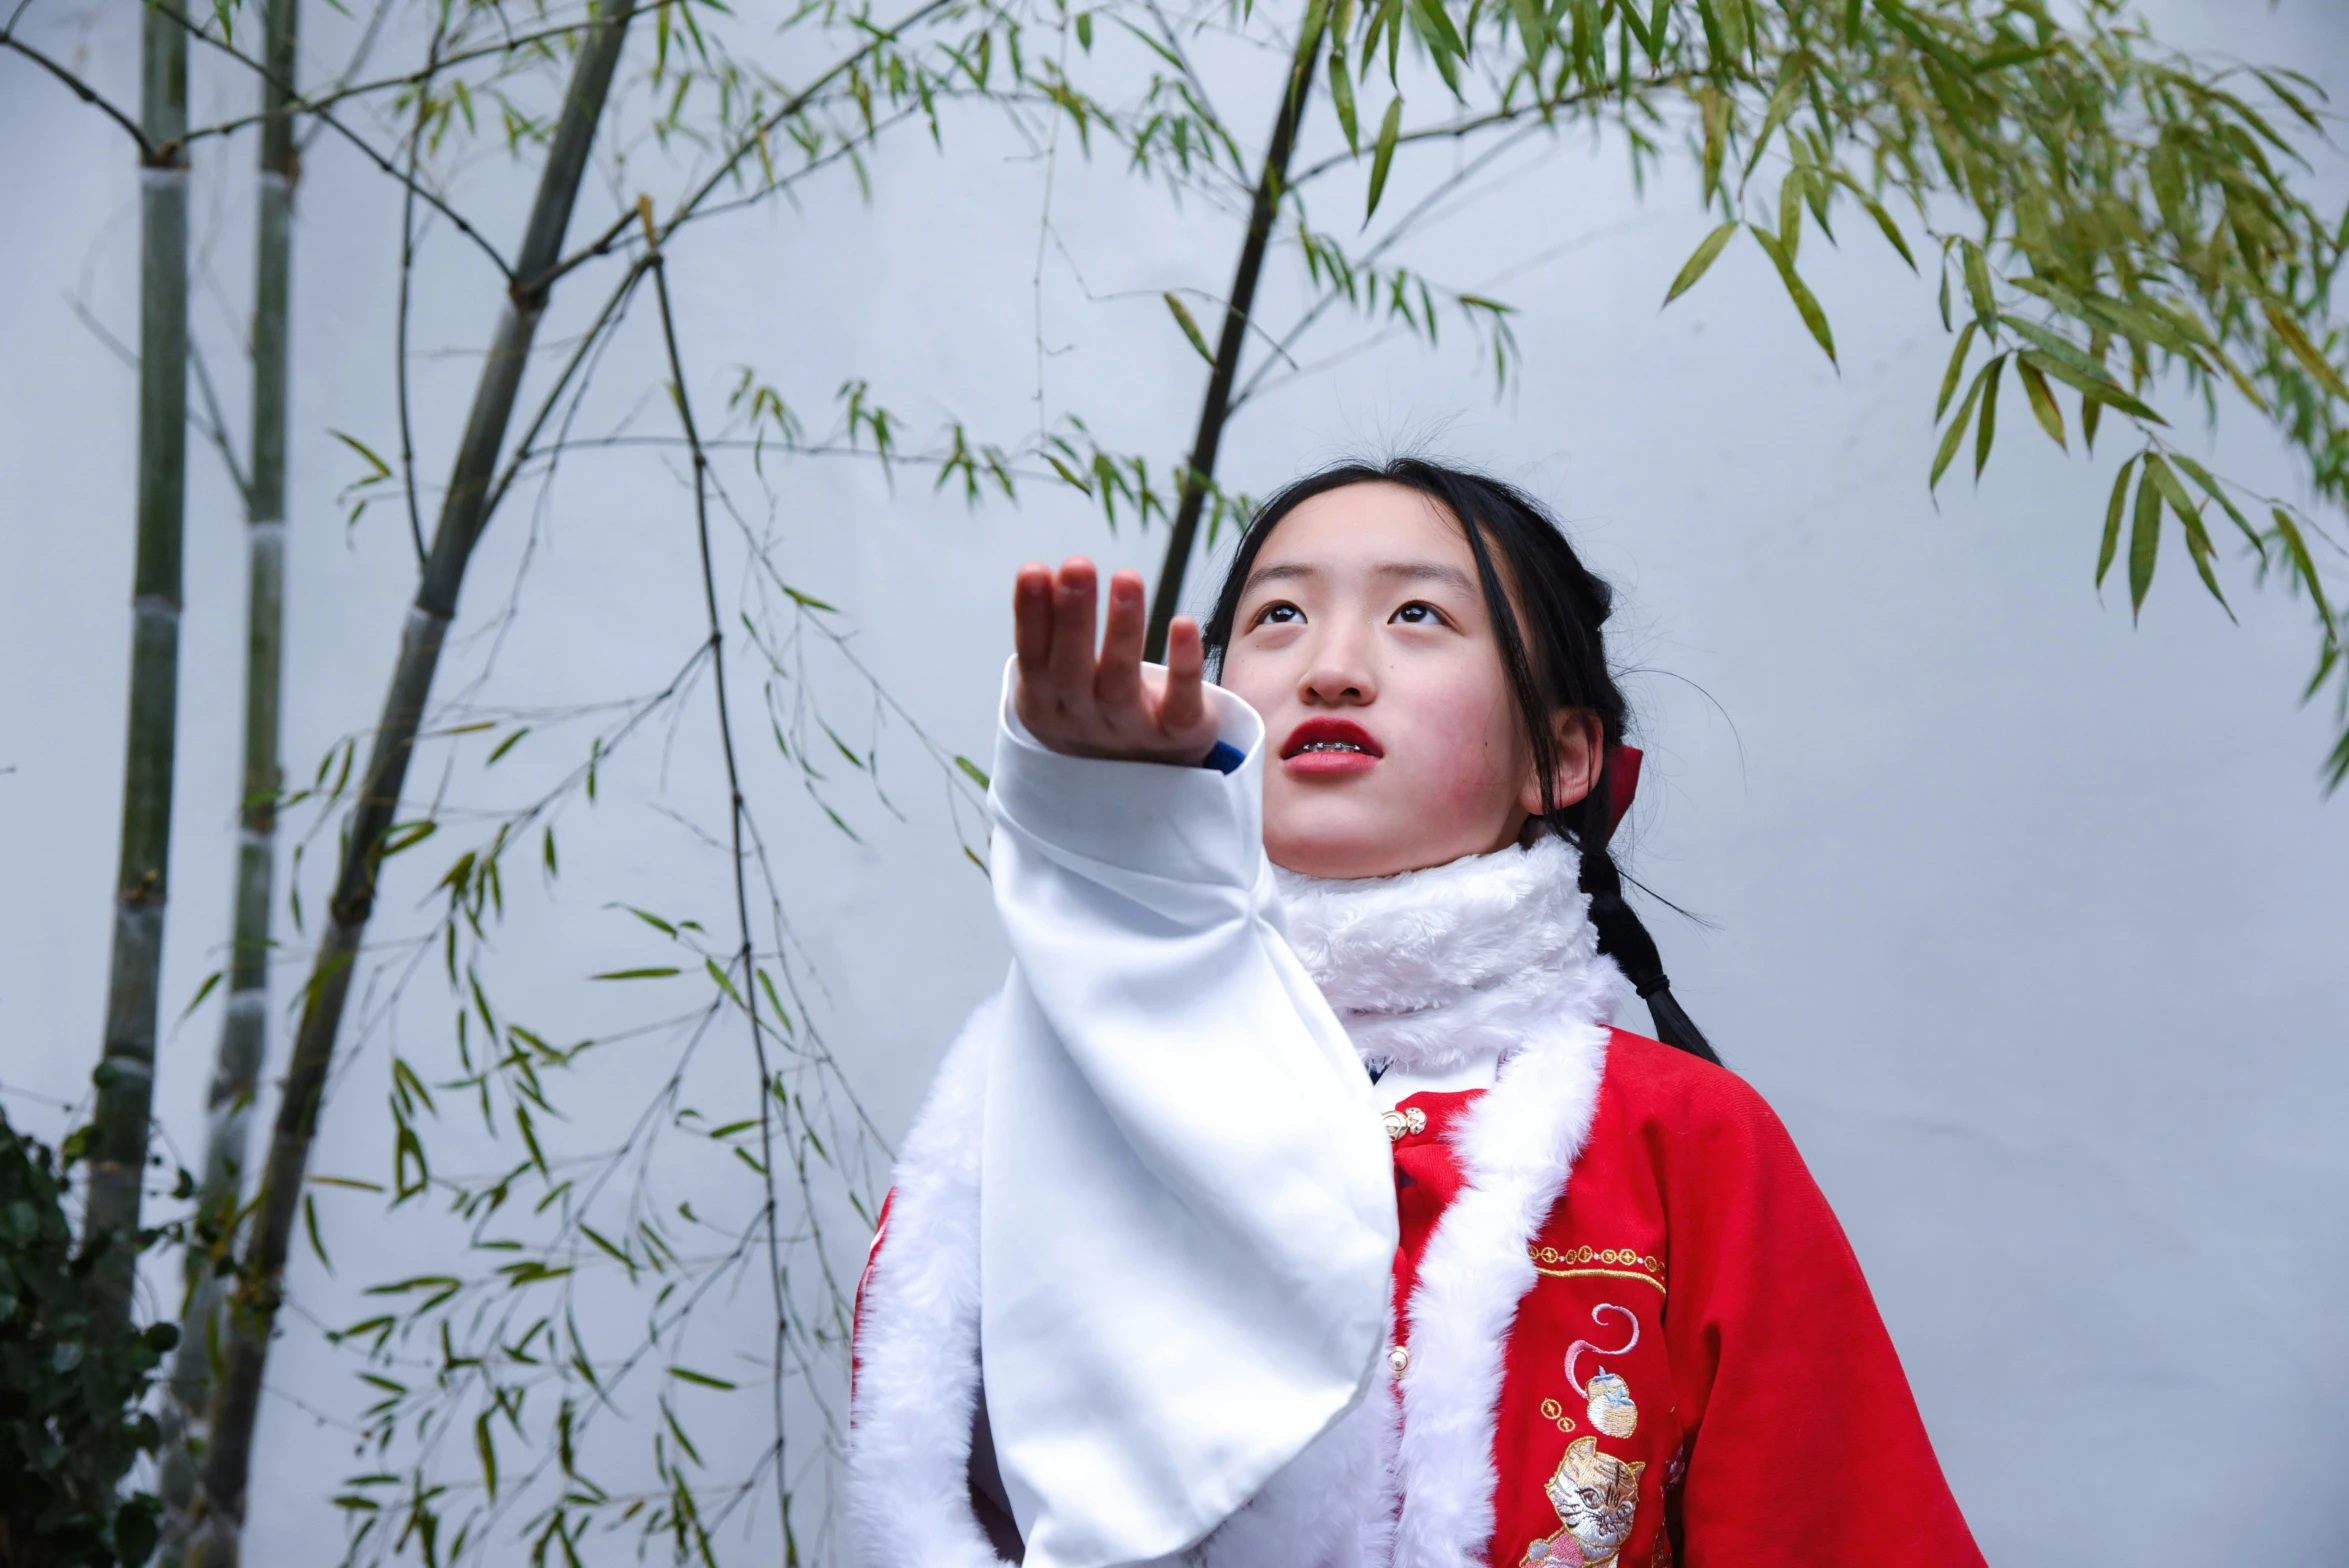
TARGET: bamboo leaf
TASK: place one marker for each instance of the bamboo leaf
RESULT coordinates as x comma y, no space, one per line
2296,548
1957,368
1782,104
486,1447
1875,210
2306,352
1190,330
687,1374
2051,418
1384,155
1813,317
1978,285
1341,92
1790,215
2112,521
2144,539
1700,261
211,984
2217,492
977,774
1534,26
1988,429
310,1225
2101,391
1958,426
661,972
383,470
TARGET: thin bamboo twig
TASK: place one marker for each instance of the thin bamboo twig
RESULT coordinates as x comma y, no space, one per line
261,1275
736,809
416,78
82,90
125,1076
366,148
400,324
1215,407
244,1037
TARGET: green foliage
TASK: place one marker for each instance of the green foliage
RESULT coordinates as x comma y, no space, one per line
70,1422
2126,223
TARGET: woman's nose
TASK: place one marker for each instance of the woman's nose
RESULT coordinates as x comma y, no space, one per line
1338,676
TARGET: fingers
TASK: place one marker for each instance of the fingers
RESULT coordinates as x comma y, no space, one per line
1118,683
1031,618
1184,707
1069,661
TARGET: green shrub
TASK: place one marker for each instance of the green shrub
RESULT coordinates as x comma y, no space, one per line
70,1418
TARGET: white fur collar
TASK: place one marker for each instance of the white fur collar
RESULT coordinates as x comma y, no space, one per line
1459,963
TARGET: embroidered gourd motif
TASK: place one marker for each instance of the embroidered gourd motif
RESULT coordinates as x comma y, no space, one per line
1611,1409
1597,1498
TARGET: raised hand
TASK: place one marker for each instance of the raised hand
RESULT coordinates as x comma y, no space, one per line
1110,706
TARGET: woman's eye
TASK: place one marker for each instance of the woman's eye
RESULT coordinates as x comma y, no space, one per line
1416,614
1278,615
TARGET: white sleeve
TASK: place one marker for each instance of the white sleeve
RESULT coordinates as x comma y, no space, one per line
1186,1201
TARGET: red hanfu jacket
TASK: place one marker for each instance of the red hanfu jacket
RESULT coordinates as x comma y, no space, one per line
1628,1331
1699,1353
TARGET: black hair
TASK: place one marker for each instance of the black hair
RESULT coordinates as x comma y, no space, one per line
1564,606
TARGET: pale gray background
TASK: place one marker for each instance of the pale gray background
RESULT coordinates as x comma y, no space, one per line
2029,923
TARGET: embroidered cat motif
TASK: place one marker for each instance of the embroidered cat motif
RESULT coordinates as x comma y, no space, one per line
1597,1498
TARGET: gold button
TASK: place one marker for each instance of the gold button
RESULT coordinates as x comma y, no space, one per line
1415,1119
1397,1124
1399,1357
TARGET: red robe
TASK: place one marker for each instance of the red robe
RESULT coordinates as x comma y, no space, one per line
1761,1417
1690,1372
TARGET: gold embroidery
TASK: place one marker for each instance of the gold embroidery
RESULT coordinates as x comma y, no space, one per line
1598,1262
1554,1412
1597,1498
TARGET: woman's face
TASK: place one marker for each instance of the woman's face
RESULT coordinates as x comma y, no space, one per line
1393,738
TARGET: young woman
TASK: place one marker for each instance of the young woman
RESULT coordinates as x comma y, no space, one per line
1295,1203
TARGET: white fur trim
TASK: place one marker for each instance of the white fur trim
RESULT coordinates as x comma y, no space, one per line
909,1446
1431,970
1517,1146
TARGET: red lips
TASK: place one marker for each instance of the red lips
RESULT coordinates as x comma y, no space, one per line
1329,746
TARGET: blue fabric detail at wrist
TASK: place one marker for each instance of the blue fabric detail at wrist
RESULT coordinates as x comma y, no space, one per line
1225,758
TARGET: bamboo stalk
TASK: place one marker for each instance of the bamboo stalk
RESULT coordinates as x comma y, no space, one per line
126,1068
1216,407
252,1311
244,1025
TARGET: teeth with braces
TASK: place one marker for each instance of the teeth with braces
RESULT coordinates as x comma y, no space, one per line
1330,745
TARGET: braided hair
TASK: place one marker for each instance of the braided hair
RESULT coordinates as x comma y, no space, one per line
1554,655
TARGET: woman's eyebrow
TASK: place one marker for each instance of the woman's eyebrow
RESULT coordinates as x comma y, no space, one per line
1399,571
1277,574
1426,572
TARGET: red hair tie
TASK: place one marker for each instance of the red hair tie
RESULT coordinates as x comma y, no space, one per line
1622,783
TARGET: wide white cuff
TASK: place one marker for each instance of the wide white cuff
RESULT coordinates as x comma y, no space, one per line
1189,823
1180,1290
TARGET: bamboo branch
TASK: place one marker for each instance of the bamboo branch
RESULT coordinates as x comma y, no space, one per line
82,90
736,810
261,1275
416,78
366,148
125,1076
1215,407
244,1039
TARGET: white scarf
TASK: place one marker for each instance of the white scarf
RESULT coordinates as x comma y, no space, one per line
1457,964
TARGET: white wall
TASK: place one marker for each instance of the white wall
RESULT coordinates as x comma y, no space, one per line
2027,920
